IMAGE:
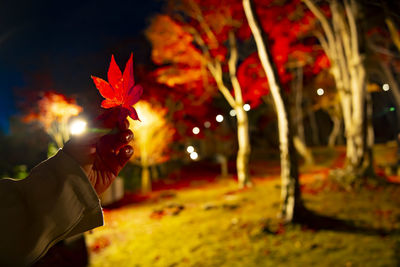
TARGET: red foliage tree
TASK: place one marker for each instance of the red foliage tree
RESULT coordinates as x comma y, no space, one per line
53,112
193,49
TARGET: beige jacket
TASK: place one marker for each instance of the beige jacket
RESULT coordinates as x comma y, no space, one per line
54,202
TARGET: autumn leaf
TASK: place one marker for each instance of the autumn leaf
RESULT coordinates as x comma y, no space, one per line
120,91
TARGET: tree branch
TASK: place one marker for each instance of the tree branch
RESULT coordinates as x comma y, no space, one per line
200,18
353,27
322,41
341,28
216,72
393,32
214,66
324,22
233,58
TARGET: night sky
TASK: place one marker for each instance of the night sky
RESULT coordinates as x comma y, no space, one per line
66,42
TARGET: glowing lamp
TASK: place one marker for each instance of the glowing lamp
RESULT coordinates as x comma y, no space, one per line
77,127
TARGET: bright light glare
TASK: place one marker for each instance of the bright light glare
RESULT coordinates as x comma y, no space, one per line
77,127
246,107
196,130
194,155
219,118
207,124
190,149
385,87
320,91
232,113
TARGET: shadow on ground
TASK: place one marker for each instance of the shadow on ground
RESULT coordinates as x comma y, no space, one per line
314,221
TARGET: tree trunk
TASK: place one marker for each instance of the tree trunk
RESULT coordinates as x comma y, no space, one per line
144,162
146,180
223,161
341,44
290,190
370,138
333,136
302,149
154,172
242,161
313,124
358,87
299,118
236,102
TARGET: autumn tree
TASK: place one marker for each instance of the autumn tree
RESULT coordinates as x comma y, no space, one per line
196,44
153,136
53,112
383,62
338,34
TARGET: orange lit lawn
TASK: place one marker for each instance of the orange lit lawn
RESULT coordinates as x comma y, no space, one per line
217,225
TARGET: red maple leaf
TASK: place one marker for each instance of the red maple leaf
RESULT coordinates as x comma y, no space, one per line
120,91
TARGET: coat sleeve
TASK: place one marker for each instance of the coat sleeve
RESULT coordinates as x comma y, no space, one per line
54,202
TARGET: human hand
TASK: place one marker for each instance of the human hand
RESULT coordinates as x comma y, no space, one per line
102,156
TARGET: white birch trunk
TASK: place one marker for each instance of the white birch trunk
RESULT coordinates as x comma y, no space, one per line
333,136
302,149
341,45
290,193
242,161
236,102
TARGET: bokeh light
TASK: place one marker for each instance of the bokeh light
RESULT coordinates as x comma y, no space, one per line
190,149
232,113
196,130
194,155
320,92
246,107
219,118
385,87
207,124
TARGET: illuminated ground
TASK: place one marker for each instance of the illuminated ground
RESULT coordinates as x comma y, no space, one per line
216,225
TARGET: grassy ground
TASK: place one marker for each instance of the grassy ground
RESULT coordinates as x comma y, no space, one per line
217,225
